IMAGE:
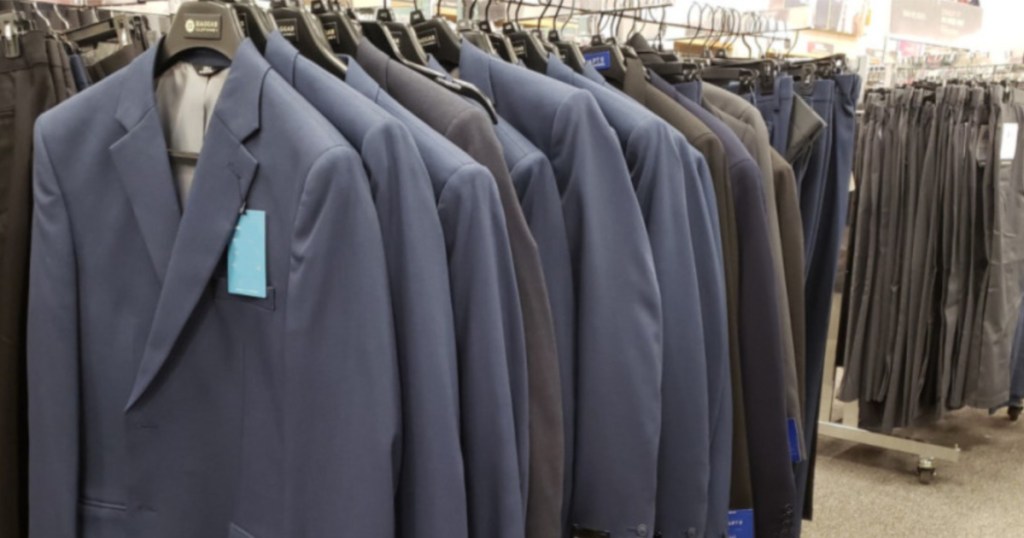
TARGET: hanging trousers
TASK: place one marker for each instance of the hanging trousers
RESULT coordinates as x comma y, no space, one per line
29,84
821,261
777,109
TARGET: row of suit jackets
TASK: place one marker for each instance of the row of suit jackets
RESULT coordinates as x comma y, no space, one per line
537,326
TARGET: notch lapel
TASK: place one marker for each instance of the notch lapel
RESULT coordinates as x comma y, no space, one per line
223,176
141,160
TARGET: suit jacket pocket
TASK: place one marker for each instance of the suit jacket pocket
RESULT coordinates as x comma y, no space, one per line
102,519
234,531
223,294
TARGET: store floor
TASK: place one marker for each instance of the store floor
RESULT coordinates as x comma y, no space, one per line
862,491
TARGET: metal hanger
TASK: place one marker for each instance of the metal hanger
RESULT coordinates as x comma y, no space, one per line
568,50
539,33
56,11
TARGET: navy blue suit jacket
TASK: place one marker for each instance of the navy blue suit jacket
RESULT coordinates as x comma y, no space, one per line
613,430
672,185
160,404
431,490
488,321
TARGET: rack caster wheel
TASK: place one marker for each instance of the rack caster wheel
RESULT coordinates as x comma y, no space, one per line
1014,413
925,470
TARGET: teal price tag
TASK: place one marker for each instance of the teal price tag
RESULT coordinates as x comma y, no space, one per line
247,256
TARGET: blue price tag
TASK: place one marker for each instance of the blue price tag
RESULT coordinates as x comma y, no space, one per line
247,256
601,60
741,523
794,441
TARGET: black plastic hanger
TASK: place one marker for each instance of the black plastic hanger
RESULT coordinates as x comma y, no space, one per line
438,38
206,24
403,34
499,41
255,22
381,37
607,58
341,31
569,51
123,26
14,24
303,29
527,45
468,30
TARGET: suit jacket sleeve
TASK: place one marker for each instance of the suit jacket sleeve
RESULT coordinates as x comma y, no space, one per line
341,430
53,391
432,490
618,379
488,322
665,179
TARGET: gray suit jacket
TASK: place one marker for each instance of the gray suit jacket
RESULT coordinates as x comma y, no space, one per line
746,121
617,405
160,404
431,490
487,316
537,190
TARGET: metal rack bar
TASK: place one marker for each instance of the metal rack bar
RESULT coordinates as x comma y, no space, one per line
845,428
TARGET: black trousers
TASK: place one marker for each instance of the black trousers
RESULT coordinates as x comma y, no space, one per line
29,85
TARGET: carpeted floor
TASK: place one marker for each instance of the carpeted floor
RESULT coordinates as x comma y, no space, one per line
863,492
868,492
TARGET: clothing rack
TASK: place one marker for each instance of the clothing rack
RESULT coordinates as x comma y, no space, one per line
845,428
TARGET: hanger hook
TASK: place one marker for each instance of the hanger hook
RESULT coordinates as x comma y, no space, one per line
792,45
716,22
661,28
700,23
554,19
728,29
633,16
737,29
540,18
572,11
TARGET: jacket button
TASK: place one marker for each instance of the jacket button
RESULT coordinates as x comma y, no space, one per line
691,532
641,530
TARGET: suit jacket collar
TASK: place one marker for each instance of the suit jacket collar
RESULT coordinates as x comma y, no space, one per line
374,62
475,68
185,246
358,78
282,55
635,83
238,105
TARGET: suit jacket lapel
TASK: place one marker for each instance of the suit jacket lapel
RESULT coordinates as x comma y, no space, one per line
142,163
223,176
